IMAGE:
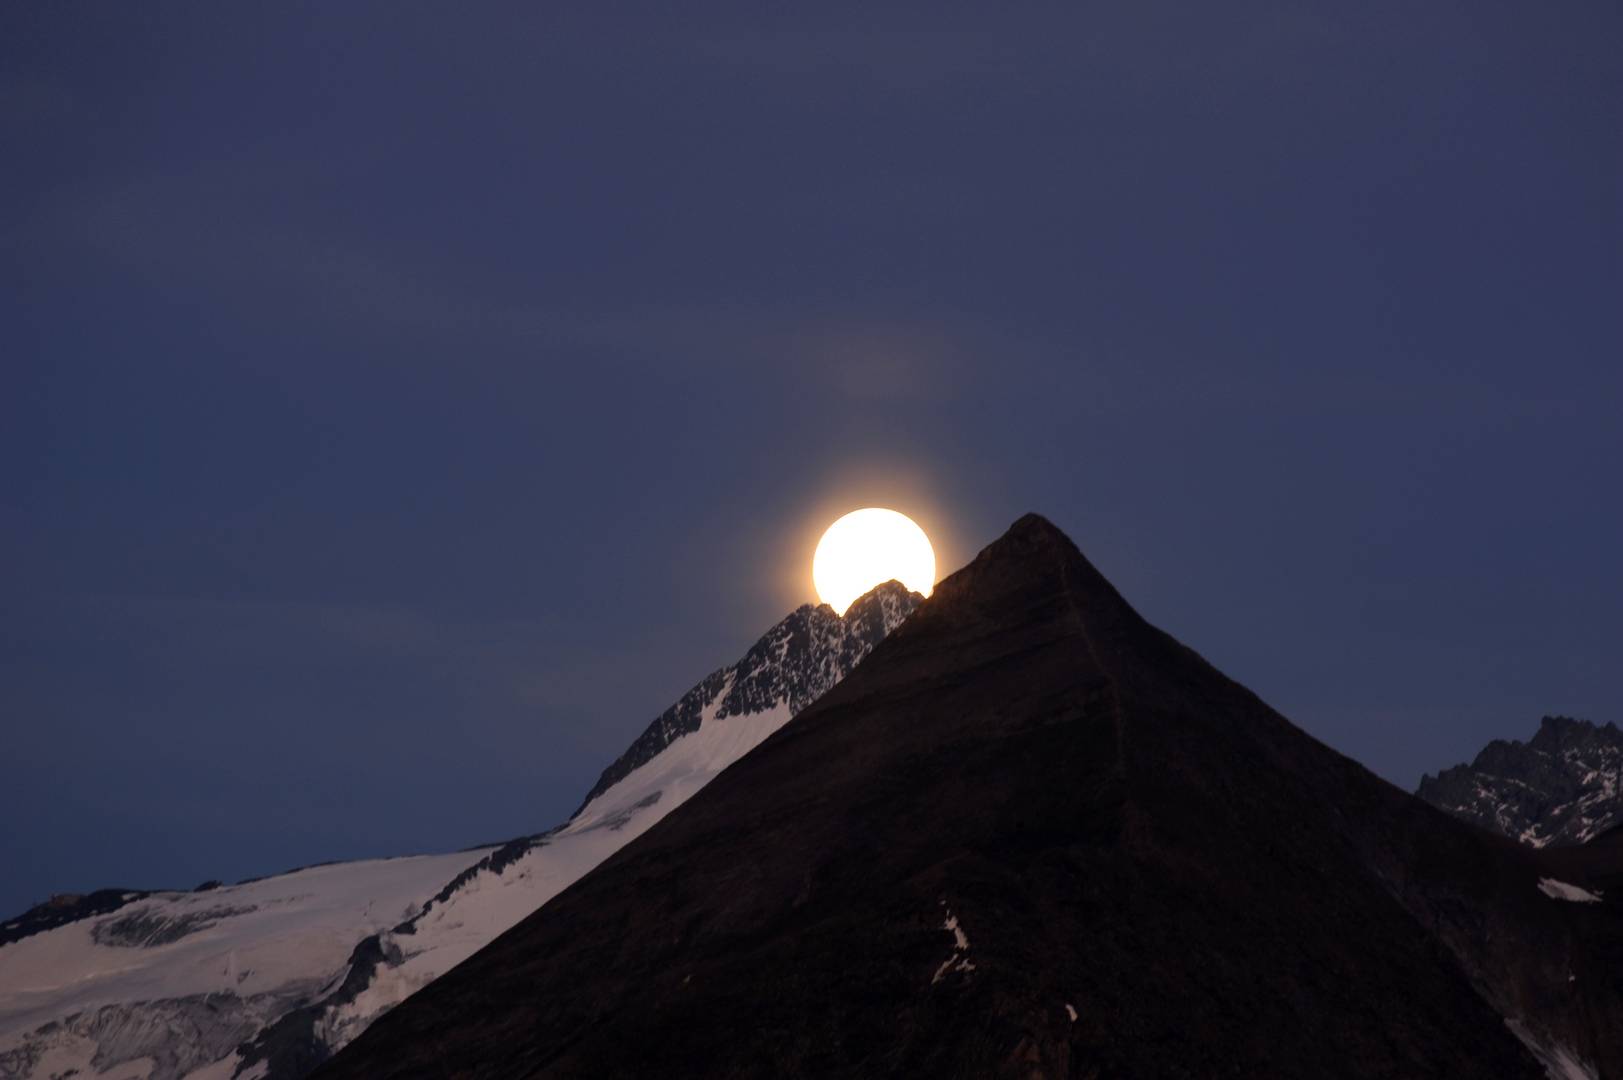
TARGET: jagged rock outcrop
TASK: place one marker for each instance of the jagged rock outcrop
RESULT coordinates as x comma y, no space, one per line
794,664
1562,786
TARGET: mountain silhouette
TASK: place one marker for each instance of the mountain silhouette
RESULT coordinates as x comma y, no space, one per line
1032,835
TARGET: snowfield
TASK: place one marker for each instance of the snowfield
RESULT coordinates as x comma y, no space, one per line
494,900
268,978
244,956
213,962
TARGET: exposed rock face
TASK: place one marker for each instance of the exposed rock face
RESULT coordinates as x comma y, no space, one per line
795,663
167,1040
1563,786
1032,835
147,929
65,908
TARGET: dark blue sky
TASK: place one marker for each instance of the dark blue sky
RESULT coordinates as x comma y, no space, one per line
403,404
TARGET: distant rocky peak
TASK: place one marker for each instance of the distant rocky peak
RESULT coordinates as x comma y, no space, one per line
792,665
801,658
1562,786
1560,733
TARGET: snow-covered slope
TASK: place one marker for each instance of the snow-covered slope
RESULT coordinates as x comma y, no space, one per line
1563,786
172,982
269,978
714,724
522,876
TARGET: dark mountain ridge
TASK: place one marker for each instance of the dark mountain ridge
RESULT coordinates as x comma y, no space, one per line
1031,834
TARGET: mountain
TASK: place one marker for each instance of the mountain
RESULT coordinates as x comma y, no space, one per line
268,978
1563,786
1032,835
794,664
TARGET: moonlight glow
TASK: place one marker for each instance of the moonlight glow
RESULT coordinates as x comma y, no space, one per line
867,548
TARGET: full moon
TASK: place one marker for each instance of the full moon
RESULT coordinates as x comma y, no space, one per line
870,547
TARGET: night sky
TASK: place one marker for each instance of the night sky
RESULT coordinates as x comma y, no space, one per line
403,404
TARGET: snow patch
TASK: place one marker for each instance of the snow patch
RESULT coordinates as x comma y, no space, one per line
950,964
1560,890
958,961
683,767
1558,1061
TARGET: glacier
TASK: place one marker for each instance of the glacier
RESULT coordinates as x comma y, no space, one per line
268,978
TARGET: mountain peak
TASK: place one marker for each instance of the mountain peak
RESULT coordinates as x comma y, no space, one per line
1030,834
1558,732
1033,554
792,665
1562,786
1030,586
1033,542
1034,525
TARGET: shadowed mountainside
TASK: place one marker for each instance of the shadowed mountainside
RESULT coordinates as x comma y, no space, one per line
1033,835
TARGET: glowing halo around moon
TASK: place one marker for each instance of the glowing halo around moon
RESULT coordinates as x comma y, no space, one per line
869,547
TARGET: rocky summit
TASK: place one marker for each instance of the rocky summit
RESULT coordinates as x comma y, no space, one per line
792,665
1032,835
1562,786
